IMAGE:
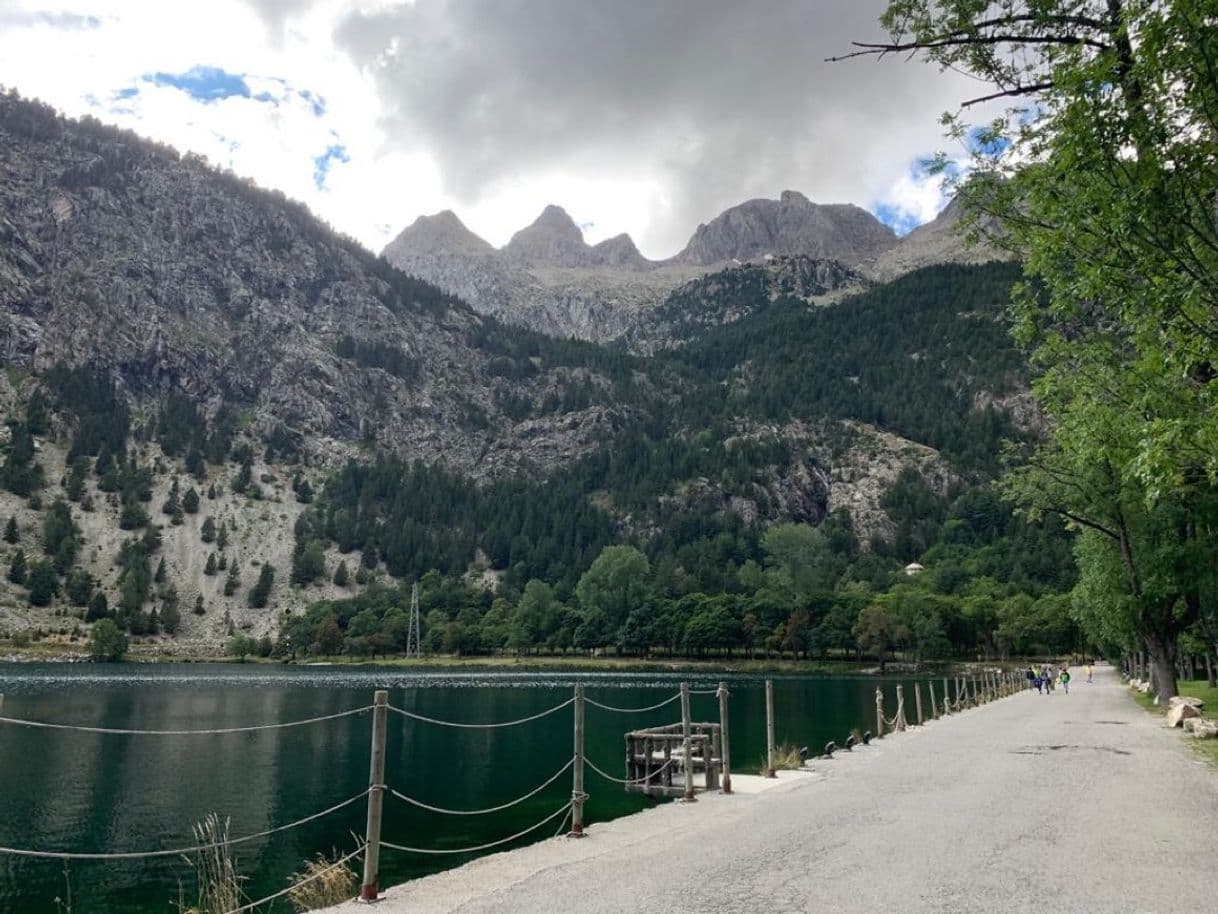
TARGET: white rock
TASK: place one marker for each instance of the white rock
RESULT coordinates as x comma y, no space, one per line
1186,700
1205,729
1177,714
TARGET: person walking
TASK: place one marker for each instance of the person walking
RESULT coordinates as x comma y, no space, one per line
1065,680
1089,672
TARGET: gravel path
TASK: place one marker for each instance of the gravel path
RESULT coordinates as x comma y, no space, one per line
1066,803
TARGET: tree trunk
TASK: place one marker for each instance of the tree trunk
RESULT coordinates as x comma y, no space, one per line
1211,676
1162,652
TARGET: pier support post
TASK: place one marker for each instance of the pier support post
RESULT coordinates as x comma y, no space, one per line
934,707
688,744
577,769
879,713
918,701
947,698
900,707
769,729
376,793
725,753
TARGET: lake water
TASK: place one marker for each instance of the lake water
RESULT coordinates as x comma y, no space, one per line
74,791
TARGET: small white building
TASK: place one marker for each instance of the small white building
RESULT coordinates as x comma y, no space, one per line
913,568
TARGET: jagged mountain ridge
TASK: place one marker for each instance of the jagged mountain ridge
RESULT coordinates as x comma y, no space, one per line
549,279
165,274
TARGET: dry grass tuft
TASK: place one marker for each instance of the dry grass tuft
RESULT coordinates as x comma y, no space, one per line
219,886
786,756
333,885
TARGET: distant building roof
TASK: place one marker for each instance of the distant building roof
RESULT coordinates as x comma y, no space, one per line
913,568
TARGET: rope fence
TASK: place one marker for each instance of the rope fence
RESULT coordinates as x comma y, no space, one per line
667,701
992,685
481,847
209,731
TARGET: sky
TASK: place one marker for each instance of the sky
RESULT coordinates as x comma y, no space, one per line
640,116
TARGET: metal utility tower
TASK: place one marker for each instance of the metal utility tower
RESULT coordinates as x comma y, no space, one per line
414,643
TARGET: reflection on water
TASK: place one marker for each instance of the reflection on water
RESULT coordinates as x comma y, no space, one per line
66,790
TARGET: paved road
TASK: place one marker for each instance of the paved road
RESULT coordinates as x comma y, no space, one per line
1059,804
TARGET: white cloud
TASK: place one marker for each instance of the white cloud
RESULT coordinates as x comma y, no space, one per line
653,177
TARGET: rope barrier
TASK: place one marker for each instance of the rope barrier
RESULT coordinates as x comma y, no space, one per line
464,726
481,812
704,692
333,866
609,777
666,701
481,847
179,851
44,725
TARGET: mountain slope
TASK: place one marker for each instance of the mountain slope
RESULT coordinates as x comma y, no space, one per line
167,275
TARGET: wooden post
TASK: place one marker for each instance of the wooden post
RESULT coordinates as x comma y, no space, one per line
725,753
947,698
376,793
577,775
900,707
769,729
879,713
688,743
918,700
934,708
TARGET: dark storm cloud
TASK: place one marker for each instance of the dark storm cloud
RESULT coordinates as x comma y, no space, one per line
716,100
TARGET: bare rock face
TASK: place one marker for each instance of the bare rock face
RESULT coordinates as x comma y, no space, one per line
790,225
940,241
549,279
552,240
166,275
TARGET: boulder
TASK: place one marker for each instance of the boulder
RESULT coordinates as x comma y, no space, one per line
1205,729
1185,700
1144,688
1177,714
1135,683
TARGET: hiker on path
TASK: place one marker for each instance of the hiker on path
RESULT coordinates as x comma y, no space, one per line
1065,681
1089,672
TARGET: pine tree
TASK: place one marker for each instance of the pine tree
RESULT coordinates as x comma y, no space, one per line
222,564
210,567
199,610
222,536
211,492
99,607
341,575
173,503
261,591
159,577
190,501
232,582
11,533
17,568
208,530
43,583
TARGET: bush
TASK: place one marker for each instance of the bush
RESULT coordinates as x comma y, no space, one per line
241,646
107,643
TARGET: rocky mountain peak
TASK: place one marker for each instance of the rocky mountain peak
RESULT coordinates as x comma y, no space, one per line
791,224
619,251
442,232
553,240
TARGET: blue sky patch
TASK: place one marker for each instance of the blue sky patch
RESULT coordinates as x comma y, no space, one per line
315,101
979,142
207,84
322,163
901,221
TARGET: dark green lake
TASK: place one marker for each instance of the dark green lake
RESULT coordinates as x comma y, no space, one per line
85,792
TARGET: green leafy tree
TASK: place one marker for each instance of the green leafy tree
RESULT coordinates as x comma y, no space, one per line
308,564
242,646
615,583
107,643
879,633
1101,179
171,616
60,535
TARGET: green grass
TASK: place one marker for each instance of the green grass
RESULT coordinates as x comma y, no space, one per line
1196,688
